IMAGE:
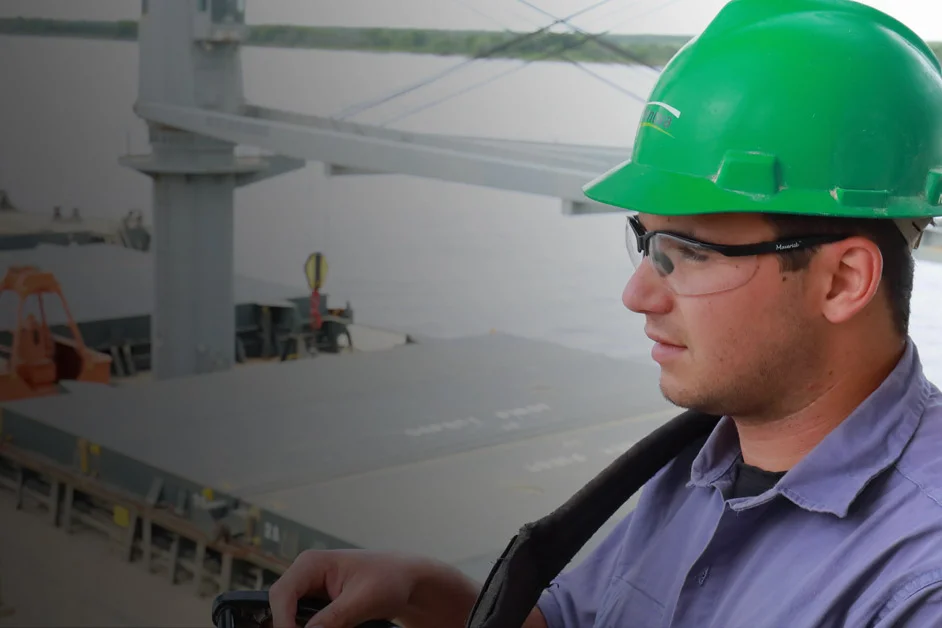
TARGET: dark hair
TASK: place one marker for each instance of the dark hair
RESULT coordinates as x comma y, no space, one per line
898,262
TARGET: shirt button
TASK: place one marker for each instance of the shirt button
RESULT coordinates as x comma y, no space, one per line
703,576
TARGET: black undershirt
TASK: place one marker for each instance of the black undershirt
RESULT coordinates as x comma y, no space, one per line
752,481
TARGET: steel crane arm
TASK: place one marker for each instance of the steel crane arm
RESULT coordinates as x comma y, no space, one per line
552,170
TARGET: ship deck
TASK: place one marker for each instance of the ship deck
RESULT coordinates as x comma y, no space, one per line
443,448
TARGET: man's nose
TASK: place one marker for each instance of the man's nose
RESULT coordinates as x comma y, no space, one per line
646,292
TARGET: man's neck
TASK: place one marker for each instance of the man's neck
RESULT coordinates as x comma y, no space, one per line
778,444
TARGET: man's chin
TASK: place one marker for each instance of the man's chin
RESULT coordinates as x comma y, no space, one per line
679,391
690,398
671,389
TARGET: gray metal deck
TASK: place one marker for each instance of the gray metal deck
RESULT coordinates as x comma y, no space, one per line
442,448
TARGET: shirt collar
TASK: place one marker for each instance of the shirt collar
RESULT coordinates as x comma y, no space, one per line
834,473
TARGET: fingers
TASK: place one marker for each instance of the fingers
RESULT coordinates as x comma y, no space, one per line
334,615
305,576
349,610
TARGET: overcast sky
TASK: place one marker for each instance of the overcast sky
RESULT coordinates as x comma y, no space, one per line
630,16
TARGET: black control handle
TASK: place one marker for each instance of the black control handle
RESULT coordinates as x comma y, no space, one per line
250,609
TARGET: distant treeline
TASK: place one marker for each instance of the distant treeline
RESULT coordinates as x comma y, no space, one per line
126,30
650,50
653,50
647,49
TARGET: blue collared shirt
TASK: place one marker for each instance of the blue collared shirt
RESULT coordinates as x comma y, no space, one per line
850,536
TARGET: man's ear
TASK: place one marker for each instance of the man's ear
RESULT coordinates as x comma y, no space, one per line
852,270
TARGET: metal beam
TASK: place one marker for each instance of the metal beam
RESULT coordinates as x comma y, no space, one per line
548,170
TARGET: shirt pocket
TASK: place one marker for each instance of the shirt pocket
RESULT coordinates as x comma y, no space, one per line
627,606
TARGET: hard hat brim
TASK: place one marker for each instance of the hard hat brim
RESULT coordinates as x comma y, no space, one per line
640,188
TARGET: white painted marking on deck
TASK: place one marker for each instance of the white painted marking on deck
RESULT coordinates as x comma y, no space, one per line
618,448
533,408
555,463
436,428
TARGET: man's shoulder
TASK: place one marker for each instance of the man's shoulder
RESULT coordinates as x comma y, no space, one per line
921,461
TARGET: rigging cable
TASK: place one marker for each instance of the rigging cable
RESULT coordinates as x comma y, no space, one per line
492,19
566,46
618,50
586,36
366,106
651,10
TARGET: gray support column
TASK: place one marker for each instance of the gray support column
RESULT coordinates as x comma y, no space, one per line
194,317
190,56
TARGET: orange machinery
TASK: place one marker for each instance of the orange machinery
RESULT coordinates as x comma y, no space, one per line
39,359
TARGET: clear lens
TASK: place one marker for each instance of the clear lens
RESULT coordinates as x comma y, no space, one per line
689,269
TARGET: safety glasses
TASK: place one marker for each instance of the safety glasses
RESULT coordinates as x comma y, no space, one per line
692,267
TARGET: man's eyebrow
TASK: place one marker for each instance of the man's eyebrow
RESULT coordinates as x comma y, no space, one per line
692,234
686,232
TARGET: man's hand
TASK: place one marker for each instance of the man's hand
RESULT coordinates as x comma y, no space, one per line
363,585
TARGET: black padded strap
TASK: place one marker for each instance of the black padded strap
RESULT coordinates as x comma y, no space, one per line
542,549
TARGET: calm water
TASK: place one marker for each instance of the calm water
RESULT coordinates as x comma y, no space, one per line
417,255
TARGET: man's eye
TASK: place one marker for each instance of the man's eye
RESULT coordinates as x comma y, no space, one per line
692,254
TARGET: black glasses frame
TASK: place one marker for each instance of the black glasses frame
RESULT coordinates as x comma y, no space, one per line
643,239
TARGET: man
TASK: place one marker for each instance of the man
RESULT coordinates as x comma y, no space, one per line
784,168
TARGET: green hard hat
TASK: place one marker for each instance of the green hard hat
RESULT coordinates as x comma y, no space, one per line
825,107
